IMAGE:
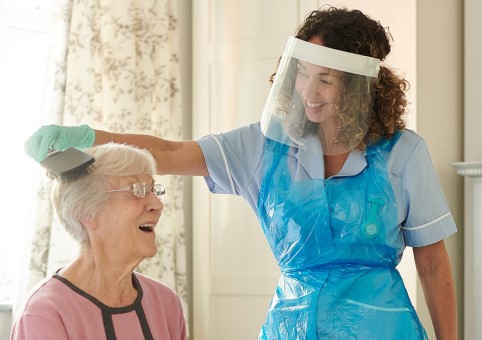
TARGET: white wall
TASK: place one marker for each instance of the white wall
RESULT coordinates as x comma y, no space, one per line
5,322
472,149
440,115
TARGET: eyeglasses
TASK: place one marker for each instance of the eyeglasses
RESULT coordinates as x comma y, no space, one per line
142,190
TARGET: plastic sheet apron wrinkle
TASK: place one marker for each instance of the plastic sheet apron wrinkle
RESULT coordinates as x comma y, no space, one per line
337,243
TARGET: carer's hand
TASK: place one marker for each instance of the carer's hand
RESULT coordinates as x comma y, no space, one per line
56,137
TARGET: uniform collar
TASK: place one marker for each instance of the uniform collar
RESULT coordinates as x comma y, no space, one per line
310,157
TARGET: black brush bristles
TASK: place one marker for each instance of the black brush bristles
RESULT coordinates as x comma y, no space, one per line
68,165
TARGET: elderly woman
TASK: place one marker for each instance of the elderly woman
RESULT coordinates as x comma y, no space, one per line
112,213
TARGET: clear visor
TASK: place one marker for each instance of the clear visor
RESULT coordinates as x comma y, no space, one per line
321,98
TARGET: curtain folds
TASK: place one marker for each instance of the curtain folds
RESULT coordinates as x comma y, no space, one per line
114,65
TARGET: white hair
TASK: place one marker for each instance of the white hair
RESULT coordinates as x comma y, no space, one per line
83,198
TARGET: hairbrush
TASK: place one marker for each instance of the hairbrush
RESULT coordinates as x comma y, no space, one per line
68,165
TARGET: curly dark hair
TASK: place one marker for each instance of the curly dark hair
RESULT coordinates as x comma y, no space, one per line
353,31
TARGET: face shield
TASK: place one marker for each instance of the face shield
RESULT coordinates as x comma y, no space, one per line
321,98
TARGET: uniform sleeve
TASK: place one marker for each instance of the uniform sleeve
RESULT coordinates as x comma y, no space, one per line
232,158
428,217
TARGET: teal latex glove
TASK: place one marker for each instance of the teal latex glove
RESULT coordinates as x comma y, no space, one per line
55,137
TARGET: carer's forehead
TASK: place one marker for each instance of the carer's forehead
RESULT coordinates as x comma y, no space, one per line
318,69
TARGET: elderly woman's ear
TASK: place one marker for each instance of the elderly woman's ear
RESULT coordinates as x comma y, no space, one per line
89,223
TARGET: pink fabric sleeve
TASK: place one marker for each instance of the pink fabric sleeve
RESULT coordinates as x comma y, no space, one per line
36,328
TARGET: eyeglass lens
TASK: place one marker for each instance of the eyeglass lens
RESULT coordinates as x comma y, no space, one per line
142,190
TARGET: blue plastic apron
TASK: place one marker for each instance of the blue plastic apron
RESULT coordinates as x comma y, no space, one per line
337,242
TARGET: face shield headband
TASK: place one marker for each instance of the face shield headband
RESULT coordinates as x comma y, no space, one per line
321,99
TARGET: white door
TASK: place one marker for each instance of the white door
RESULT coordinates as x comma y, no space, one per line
236,45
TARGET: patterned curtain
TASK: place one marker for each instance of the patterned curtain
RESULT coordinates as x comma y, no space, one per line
114,65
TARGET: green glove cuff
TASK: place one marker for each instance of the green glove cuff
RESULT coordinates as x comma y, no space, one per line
89,137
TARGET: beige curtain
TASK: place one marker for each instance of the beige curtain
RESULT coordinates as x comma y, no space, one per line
114,65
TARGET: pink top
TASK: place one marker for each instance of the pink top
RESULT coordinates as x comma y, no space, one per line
57,309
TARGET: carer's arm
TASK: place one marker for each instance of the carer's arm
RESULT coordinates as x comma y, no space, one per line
435,273
173,157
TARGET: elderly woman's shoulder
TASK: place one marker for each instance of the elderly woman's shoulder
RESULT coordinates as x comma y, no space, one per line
151,286
47,295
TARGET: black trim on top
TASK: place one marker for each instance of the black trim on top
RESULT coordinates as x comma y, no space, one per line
108,326
107,311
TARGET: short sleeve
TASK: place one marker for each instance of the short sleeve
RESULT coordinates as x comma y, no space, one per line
232,158
33,327
428,216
